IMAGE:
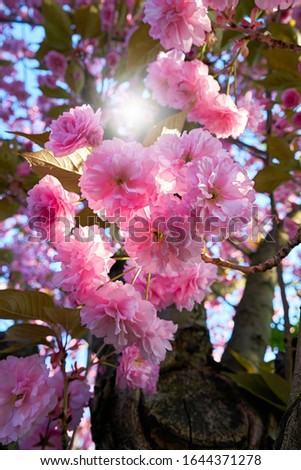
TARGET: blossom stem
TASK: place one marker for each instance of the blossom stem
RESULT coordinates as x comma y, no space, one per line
109,364
147,285
65,404
116,277
136,276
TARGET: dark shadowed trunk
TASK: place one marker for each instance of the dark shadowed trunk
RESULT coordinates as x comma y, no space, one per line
196,406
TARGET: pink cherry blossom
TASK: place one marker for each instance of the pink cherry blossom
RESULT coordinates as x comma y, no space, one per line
221,116
177,23
275,4
220,4
118,314
110,313
51,208
178,83
160,72
221,191
192,83
254,108
26,396
47,80
107,14
297,18
182,288
156,337
80,127
56,62
118,177
290,98
297,120
78,397
48,436
135,372
159,238
85,262
175,155
23,169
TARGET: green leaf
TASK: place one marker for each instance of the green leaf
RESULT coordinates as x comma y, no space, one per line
228,37
279,386
69,319
39,139
13,348
20,305
75,77
56,37
255,49
30,181
6,255
174,122
279,80
54,12
66,169
87,21
8,158
276,338
44,48
27,333
283,60
142,49
57,92
57,25
284,32
7,208
87,217
269,178
243,9
256,385
249,366
55,111
279,148
6,63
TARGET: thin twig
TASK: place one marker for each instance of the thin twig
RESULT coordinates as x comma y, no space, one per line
261,267
255,151
9,20
259,35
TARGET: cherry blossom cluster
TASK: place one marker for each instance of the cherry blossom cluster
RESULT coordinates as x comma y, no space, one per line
181,84
167,200
31,403
157,208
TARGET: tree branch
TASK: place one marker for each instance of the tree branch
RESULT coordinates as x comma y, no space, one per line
10,20
259,35
255,151
261,267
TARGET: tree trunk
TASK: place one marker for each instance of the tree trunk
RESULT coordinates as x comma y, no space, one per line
254,313
196,406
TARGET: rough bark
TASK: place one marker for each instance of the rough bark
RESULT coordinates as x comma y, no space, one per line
254,313
196,406
289,436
